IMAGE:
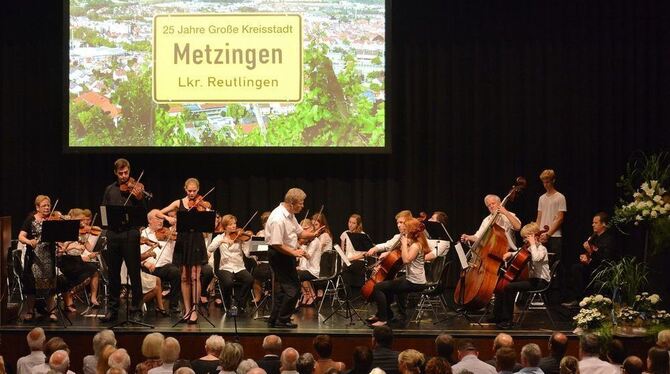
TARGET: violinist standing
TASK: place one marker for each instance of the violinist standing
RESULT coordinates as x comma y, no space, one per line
161,264
190,251
538,276
282,232
123,244
231,266
39,267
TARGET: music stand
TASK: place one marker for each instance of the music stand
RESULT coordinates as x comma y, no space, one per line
195,222
463,262
349,311
59,231
121,218
259,248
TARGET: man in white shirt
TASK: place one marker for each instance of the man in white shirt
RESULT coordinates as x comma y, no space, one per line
35,339
505,219
282,232
160,262
469,360
551,208
169,354
590,363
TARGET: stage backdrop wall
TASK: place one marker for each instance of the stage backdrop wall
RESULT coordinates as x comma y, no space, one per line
480,92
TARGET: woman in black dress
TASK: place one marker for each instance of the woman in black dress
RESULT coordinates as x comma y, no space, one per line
190,252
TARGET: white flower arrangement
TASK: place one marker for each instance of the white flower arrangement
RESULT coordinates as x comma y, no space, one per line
628,315
647,204
589,318
660,317
596,302
646,303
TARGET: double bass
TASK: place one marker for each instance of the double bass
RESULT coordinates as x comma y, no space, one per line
478,281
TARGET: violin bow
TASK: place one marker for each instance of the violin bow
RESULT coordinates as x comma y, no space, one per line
245,225
201,199
131,192
319,216
88,234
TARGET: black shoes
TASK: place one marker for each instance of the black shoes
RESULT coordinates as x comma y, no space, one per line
505,325
109,317
282,325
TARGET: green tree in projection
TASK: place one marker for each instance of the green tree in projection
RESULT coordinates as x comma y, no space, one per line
91,37
134,98
171,130
89,125
236,111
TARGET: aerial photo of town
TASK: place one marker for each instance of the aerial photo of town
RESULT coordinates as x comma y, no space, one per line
110,86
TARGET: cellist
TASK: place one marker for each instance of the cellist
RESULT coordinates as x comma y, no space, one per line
506,219
538,276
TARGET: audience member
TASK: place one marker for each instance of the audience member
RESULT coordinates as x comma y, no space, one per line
557,346
445,347
151,350
323,347
382,355
3,369
377,371
505,360
569,365
119,359
362,359
411,361
209,363
632,365
103,361
530,359
658,361
289,360
184,370
181,363
35,339
306,364
438,365
589,350
469,360
245,366
100,340
170,350
52,345
616,353
272,347
116,371
502,340
257,370
59,362
663,339
231,356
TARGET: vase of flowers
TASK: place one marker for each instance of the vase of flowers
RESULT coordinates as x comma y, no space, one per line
594,313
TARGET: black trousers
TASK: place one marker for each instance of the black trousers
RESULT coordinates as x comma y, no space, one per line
228,282
123,245
286,287
169,273
503,308
384,292
206,276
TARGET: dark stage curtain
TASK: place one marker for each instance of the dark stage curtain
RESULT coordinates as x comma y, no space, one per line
479,92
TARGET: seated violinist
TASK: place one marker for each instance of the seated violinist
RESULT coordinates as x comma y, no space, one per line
157,249
262,272
76,266
599,247
233,246
309,265
538,275
354,274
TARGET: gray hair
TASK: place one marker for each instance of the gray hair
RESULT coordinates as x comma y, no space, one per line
184,370
289,358
36,338
101,339
119,359
245,366
59,361
294,195
215,344
305,363
272,343
532,353
170,350
491,196
377,371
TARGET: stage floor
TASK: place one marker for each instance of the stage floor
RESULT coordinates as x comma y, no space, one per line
311,322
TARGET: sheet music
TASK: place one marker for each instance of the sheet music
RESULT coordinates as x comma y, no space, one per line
461,256
103,215
343,256
440,247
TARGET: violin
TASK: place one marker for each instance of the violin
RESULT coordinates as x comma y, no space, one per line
240,235
135,188
199,204
149,242
164,234
90,230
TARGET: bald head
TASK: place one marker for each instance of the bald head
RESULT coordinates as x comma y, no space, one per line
272,344
119,359
633,365
289,358
59,361
558,344
503,340
35,339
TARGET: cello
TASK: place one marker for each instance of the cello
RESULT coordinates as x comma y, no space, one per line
478,281
385,268
517,266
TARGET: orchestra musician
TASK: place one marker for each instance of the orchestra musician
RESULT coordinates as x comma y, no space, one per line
39,266
123,244
538,276
320,223
309,265
600,246
506,220
551,208
414,251
353,275
190,252
76,263
231,266
261,272
157,255
282,232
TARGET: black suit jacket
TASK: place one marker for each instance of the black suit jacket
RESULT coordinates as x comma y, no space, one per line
550,365
385,359
270,364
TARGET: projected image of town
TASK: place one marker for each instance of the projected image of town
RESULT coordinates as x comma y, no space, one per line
231,74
